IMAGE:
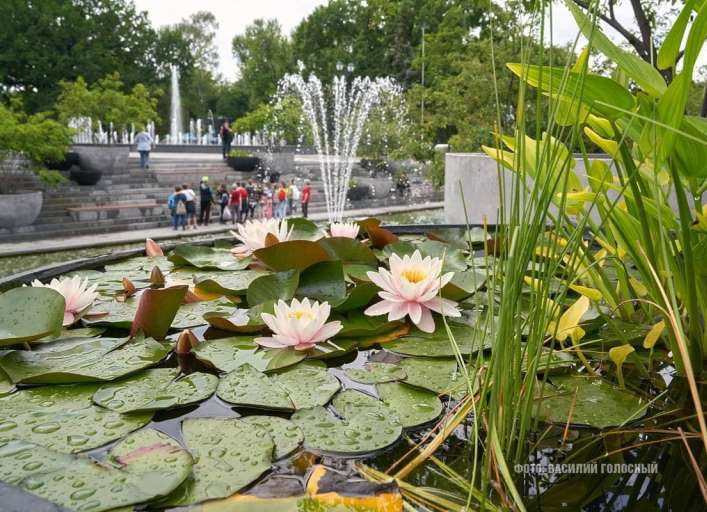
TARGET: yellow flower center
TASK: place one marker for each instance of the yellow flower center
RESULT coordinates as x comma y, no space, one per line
299,314
414,275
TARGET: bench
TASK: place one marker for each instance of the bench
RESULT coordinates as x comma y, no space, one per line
110,211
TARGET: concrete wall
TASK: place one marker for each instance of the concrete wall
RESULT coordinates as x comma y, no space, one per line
106,158
474,177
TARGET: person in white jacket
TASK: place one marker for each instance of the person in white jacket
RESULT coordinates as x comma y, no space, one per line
144,145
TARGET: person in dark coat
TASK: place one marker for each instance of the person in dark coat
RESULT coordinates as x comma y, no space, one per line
206,198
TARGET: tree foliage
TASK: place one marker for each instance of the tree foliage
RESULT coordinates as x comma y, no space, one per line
106,101
264,54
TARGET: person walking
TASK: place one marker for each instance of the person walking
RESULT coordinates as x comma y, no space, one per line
143,141
293,197
306,196
179,214
282,201
267,201
243,205
222,195
226,138
206,198
191,205
234,201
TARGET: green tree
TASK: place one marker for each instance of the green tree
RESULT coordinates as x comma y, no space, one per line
45,41
264,55
107,101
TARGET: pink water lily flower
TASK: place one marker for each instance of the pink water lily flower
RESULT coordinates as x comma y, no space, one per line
78,296
299,325
411,288
344,229
253,235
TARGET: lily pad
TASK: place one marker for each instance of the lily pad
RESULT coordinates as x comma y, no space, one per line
227,283
155,389
323,281
241,321
192,315
358,296
144,466
468,339
294,254
355,324
82,360
146,263
117,314
363,425
209,258
29,313
286,435
463,284
227,354
412,406
598,403
305,385
348,250
308,384
229,454
63,418
6,385
247,387
156,310
273,287
438,375
376,373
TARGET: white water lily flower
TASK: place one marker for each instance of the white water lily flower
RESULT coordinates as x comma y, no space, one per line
299,325
78,296
253,233
411,288
344,229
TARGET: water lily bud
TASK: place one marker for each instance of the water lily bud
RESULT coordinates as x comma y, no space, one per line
185,342
152,248
157,277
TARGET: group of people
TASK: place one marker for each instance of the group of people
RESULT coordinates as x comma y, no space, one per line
245,200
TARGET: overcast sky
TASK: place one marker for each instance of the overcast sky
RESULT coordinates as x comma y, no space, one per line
235,15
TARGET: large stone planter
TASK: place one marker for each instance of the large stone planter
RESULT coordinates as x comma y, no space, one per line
243,163
108,159
22,209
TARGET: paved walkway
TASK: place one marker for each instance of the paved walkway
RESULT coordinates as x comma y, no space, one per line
123,237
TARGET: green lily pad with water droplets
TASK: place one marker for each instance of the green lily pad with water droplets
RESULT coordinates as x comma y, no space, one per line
364,425
227,283
63,418
118,314
146,263
412,406
154,389
247,387
304,385
437,344
229,454
209,258
308,384
551,361
192,315
597,404
144,466
376,373
227,354
286,435
29,313
82,360
435,374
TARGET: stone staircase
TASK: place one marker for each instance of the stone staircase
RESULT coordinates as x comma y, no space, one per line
133,185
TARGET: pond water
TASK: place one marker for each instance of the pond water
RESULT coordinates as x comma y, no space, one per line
643,471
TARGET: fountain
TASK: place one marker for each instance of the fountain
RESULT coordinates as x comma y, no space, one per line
175,131
337,125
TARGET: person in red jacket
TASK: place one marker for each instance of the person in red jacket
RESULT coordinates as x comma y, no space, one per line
234,200
306,196
281,212
243,210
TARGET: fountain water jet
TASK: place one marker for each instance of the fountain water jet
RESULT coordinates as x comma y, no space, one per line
337,126
175,116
